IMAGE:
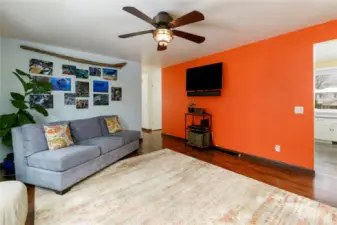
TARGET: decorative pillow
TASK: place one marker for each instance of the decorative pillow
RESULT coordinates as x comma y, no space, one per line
58,136
113,124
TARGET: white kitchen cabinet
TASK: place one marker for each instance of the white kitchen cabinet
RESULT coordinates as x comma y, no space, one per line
326,129
322,131
333,132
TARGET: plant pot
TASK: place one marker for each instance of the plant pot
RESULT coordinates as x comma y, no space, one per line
8,166
190,110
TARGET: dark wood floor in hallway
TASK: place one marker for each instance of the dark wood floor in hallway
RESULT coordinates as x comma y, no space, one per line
320,187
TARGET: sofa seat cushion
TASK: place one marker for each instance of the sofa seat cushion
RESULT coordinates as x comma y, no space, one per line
127,135
63,159
106,144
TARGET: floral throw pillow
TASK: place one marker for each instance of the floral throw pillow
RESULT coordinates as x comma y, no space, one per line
58,136
113,124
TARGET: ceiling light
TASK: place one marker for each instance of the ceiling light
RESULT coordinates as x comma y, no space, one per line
163,36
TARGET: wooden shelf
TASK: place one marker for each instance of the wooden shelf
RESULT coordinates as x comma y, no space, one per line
197,131
198,114
190,144
199,138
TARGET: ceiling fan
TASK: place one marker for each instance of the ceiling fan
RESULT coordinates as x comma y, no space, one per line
165,27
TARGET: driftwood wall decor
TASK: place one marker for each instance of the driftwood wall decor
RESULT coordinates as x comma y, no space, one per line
118,65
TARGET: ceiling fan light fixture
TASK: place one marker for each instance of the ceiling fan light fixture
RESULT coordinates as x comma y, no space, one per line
163,36
163,23
162,43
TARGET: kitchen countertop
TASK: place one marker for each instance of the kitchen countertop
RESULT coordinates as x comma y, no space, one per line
327,113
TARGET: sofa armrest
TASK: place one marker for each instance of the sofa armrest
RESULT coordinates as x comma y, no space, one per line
20,160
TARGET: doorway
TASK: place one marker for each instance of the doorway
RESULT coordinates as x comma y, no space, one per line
325,121
151,98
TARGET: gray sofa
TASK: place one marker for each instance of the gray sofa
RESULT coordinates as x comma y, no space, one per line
94,149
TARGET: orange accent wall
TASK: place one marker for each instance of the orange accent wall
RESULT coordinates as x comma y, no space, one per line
262,82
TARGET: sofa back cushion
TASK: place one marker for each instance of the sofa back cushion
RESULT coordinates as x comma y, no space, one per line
104,127
85,129
34,139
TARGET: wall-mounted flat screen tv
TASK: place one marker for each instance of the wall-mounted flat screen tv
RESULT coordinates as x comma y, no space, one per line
204,78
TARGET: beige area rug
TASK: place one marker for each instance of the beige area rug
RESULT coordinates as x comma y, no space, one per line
166,187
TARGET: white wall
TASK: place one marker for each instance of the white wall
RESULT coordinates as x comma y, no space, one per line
151,98
0,67
129,78
2,153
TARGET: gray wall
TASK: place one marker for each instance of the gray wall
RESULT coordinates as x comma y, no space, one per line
129,78
2,153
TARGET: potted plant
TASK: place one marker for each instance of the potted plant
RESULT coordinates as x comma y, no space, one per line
8,165
20,102
191,106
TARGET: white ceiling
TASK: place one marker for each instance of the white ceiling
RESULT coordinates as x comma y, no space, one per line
94,25
326,51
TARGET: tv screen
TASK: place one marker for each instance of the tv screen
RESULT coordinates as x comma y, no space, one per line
204,78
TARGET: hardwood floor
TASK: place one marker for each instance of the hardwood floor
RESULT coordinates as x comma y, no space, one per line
321,187
326,158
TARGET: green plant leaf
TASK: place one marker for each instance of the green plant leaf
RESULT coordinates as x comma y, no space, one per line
30,86
39,91
24,84
23,119
17,96
45,85
20,72
40,109
7,140
28,115
8,120
3,132
19,104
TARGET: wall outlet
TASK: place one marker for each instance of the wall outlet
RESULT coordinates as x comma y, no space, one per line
277,148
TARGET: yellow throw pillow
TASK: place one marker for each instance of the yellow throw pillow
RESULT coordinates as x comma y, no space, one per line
113,124
58,136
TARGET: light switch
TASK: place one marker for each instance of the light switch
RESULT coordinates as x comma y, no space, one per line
299,110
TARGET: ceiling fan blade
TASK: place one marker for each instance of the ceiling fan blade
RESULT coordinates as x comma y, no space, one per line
161,48
191,37
191,17
139,14
136,34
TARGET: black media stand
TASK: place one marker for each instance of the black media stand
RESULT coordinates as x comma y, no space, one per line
198,135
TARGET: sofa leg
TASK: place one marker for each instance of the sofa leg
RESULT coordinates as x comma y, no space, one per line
63,192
